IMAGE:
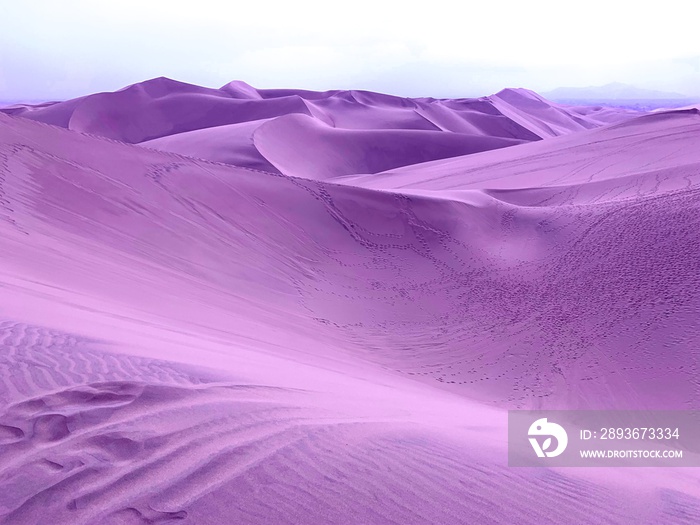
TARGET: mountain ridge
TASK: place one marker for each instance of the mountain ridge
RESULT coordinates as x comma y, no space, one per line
612,91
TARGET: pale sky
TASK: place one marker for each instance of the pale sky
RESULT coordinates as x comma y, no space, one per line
56,49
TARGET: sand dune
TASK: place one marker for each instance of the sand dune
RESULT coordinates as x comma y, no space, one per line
171,445
230,144
300,146
620,150
157,108
173,116
190,341
540,116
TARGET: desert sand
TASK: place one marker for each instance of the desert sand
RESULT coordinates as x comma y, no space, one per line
280,306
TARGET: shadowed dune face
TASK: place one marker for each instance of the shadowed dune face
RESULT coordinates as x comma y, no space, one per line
229,144
366,337
300,146
632,150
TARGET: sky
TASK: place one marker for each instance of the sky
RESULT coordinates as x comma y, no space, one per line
52,50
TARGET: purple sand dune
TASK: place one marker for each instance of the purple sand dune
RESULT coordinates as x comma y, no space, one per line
535,113
189,341
303,147
620,150
171,115
159,107
230,144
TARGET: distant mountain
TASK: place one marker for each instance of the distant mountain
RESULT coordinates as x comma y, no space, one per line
614,91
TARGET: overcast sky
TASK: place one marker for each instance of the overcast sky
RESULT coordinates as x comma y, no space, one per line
56,49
